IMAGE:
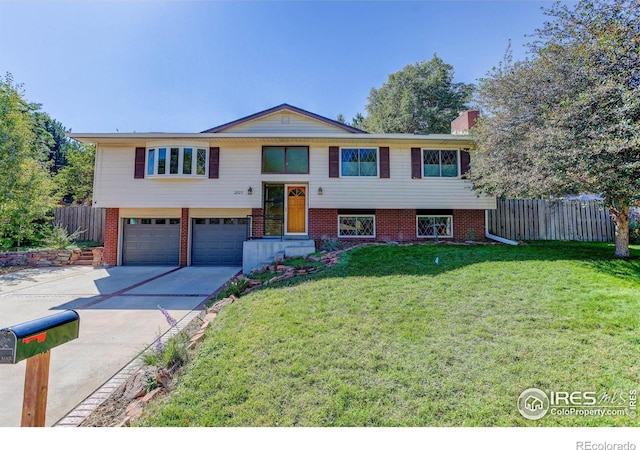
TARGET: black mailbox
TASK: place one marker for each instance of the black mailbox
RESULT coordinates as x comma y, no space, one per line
37,336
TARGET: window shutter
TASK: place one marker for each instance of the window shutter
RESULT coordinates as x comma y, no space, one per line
138,170
334,162
384,162
416,163
465,161
214,162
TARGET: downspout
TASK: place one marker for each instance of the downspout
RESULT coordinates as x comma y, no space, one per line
493,236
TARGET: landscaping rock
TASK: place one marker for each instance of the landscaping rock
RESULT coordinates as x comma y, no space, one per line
135,387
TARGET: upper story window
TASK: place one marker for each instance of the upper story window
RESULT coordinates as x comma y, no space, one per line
177,161
439,163
359,162
285,159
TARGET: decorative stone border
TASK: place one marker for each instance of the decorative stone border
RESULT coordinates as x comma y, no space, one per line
52,258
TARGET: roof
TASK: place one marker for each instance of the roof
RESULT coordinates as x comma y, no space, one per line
279,108
267,138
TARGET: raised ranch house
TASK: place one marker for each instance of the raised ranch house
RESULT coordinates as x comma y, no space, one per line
277,182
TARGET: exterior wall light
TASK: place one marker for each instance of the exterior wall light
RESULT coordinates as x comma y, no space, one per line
320,191
250,191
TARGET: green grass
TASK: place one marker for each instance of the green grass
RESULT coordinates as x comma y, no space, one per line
389,338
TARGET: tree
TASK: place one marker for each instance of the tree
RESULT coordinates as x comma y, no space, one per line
421,98
25,190
358,121
566,120
341,118
53,135
75,180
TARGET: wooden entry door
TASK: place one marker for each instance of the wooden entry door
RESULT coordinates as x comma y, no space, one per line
296,209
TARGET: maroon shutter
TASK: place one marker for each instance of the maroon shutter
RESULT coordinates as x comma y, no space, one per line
416,163
138,170
465,161
384,162
334,162
214,162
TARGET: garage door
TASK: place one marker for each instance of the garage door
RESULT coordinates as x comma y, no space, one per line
218,242
151,241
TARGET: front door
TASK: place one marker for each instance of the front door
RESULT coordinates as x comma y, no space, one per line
296,209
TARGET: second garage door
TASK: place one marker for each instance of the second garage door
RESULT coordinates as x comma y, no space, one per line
218,242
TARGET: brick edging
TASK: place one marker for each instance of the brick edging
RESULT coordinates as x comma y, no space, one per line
83,410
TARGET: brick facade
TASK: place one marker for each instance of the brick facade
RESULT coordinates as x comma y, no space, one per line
111,231
468,224
184,236
323,222
391,225
257,222
398,224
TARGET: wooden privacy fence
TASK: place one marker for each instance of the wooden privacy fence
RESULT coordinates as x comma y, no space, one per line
562,220
83,217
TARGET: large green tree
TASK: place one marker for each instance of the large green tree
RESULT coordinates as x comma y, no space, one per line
25,187
566,120
75,179
53,135
421,98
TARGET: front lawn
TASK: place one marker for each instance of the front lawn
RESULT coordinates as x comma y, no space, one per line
390,338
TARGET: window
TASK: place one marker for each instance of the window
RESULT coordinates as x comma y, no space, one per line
176,161
285,159
434,226
359,162
440,163
357,226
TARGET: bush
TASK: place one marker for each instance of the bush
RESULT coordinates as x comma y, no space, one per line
174,352
235,287
59,237
330,244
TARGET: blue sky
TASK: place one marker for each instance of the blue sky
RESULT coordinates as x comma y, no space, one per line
186,66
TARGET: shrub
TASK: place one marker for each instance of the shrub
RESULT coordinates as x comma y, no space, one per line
330,244
235,287
172,353
59,237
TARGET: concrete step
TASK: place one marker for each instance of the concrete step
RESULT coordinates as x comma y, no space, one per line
299,250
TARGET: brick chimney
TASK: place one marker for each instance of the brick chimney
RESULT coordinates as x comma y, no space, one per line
463,123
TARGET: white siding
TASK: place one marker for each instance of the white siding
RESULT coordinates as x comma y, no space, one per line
399,191
284,122
240,167
116,187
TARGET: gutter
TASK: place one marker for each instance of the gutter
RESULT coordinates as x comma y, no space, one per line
493,236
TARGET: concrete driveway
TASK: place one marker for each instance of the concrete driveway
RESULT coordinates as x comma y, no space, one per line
119,318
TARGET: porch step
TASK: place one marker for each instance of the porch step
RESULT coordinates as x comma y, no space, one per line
83,262
299,250
257,251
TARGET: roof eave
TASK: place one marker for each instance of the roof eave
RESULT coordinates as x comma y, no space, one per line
104,138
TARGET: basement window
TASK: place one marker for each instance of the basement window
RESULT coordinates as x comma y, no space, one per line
434,226
357,226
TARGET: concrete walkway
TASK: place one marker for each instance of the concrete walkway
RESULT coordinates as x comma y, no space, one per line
119,318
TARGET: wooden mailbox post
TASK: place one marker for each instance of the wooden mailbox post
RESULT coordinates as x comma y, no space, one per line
33,341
